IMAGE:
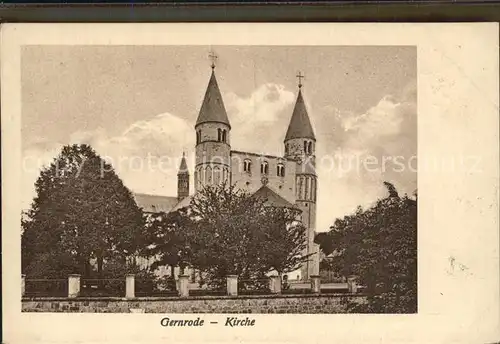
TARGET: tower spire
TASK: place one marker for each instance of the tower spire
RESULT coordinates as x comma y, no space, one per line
212,109
300,124
183,179
183,169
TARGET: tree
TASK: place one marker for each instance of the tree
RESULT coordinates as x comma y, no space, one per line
325,243
283,239
379,246
82,211
167,238
235,233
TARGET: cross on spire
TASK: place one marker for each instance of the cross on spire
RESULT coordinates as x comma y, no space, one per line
300,76
213,57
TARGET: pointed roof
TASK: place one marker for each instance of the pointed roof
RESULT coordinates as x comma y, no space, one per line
300,125
271,197
212,108
183,169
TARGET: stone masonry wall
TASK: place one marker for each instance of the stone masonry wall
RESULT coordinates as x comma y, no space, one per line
225,304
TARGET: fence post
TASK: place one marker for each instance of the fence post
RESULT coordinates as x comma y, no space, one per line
315,284
351,284
73,285
23,284
275,284
183,285
232,285
130,286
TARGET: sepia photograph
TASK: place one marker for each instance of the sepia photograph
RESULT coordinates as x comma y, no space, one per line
245,182
212,179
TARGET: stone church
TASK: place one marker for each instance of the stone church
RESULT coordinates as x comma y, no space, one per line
288,180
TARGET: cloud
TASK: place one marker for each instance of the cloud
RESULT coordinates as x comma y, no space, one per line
262,106
259,121
146,155
164,134
367,149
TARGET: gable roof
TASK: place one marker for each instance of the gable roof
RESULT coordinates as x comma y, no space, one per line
300,125
212,109
271,197
155,203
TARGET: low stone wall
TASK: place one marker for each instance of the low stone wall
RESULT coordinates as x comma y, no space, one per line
323,303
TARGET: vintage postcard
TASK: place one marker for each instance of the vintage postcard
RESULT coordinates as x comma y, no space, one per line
250,182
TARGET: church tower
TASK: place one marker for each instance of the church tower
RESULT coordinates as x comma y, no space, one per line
300,145
212,128
183,180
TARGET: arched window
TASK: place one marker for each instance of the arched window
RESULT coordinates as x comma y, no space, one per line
247,166
305,147
280,170
264,168
313,190
301,183
224,135
208,176
198,137
219,135
202,176
217,175
306,188
309,147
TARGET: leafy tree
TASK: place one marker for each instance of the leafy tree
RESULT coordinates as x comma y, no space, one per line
379,246
283,239
236,233
82,211
167,238
325,243
226,222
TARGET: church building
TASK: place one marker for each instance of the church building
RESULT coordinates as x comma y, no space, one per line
288,180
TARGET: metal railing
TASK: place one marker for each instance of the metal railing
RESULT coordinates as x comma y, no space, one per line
45,287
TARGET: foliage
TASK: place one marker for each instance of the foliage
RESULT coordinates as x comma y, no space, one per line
325,243
238,234
167,238
282,239
379,246
82,211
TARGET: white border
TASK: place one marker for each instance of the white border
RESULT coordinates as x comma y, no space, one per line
458,92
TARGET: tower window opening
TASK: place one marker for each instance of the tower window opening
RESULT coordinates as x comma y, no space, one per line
198,137
309,148
219,135
224,135
286,149
280,170
305,147
264,168
247,165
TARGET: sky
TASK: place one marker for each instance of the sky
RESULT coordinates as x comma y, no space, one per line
137,105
